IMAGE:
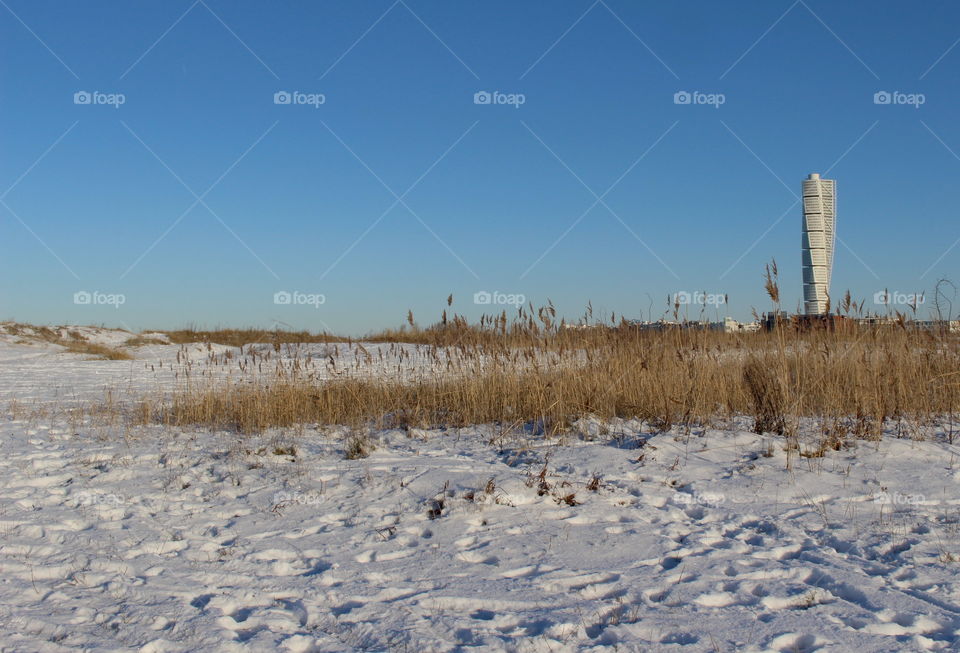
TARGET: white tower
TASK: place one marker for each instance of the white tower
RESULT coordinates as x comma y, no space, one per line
819,234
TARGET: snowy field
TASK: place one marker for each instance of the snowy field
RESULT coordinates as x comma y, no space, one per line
33,370
619,537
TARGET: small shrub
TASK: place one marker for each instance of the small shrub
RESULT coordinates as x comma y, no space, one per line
767,395
358,447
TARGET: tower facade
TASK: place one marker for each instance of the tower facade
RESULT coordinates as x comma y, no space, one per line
819,235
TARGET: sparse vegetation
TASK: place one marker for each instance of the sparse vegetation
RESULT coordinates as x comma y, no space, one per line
357,447
241,337
71,338
97,350
766,395
142,341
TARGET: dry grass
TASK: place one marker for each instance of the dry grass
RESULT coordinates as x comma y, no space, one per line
241,337
71,339
541,378
767,396
531,373
143,341
93,349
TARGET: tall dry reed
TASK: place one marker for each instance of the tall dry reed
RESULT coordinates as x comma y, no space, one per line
532,372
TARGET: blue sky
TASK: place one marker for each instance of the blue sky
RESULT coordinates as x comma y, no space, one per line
198,198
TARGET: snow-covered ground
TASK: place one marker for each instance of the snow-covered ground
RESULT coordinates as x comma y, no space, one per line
617,537
34,370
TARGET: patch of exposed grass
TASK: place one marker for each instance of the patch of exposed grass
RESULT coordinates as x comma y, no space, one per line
72,339
241,337
142,341
93,349
357,446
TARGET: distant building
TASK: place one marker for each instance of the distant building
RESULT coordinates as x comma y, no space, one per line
942,326
728,325
819,234
825,322
769,321
658,325
843,323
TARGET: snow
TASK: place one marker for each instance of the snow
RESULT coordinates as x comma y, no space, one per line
35,370
616,536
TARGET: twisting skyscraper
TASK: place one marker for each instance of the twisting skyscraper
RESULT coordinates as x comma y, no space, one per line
819,234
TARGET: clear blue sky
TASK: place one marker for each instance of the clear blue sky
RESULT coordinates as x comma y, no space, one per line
105,198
